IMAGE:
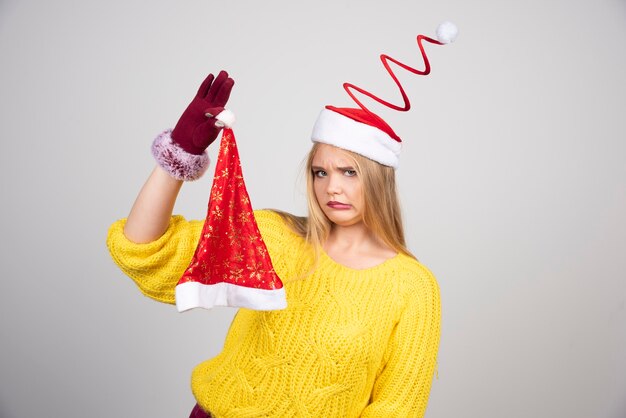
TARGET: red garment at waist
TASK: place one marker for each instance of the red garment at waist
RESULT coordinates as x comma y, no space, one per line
197,412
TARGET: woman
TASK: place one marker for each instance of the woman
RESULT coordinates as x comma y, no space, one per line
360,334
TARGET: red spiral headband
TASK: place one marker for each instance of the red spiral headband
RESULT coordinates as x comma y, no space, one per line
385,60
332,129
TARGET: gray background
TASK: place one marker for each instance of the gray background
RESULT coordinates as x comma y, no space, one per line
513,182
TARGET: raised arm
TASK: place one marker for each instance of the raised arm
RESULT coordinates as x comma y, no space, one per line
181,155
152,210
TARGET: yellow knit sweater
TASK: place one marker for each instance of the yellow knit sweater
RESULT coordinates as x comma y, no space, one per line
351,343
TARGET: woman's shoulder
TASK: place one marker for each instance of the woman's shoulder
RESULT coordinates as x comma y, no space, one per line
279,228
413,274
286,247
279,221
268,216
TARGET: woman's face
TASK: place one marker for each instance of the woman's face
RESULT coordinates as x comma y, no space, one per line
337,185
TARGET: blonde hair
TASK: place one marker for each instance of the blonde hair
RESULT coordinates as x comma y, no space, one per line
381,207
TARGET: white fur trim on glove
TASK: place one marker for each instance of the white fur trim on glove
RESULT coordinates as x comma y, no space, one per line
176,161
336,129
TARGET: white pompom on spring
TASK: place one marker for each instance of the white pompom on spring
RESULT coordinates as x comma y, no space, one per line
447,32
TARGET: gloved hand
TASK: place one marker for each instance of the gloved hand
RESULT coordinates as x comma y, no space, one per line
195,129
181,152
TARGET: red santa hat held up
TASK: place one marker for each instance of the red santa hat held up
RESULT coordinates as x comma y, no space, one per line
231,265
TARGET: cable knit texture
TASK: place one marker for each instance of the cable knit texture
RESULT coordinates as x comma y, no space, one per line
351,343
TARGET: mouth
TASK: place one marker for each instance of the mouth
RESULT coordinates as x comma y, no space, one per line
338,205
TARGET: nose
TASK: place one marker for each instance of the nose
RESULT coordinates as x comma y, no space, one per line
334,185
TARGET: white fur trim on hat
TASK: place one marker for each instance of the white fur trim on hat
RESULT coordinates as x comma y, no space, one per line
227,117
191,295
336,129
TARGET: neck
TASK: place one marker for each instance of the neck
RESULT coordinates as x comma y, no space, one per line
352,238
356,247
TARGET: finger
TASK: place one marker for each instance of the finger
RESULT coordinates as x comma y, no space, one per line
211,112
205,86
221,77
224,92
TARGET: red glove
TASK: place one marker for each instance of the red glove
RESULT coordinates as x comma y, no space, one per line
181,152
195,130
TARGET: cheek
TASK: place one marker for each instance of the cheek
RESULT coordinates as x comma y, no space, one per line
317,188
353,186
358,193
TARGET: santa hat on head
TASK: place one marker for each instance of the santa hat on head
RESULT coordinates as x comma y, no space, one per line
359,129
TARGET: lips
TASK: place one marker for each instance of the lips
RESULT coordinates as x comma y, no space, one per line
338,205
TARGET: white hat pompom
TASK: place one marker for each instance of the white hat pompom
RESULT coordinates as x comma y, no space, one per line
447,32
227,117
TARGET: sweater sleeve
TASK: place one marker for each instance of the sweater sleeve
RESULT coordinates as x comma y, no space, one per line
402,387
156,267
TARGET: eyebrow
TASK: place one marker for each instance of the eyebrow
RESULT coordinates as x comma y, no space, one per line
314,167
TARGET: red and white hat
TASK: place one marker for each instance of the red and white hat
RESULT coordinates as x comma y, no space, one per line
360,130
231,265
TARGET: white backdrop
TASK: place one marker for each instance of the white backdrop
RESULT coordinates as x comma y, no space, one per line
513,179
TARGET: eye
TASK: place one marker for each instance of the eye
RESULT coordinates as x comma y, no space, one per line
319,173
350,173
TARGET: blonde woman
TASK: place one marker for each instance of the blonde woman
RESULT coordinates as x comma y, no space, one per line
360,334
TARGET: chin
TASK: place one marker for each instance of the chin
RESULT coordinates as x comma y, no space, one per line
347,219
